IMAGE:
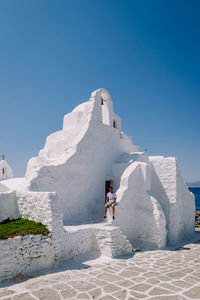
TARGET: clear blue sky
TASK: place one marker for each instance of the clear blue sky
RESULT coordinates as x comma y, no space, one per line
53,54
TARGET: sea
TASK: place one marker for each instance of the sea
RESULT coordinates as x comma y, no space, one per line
196,192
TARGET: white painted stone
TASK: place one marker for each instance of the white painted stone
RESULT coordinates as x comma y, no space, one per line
8,206
65,183
180,212
139,214
77,160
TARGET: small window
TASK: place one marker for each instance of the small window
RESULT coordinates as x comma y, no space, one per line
102,101
114,124
3,171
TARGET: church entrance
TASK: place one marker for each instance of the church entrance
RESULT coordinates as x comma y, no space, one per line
108,184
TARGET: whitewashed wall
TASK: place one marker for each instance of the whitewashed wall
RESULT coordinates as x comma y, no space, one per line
180,212
8,206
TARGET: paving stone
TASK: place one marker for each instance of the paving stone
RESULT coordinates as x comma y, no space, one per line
153,281
83,296
37,284
169,287
138,279
159,291
191,279
68,293
150,274
6,292
107,298
98,266
177,297
46,293
95,272
137,269
111,288
60,286
109,277
175,275
128,273
82,285
193,293
98,281
125,283
23,296
138,295
182,284
142,287
163,278
121,295
187,270
95,293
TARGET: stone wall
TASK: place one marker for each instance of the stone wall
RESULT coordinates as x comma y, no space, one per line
22,255
8,206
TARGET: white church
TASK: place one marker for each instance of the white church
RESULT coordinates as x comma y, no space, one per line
77,166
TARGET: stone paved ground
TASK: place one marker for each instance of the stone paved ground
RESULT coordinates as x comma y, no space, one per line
156,275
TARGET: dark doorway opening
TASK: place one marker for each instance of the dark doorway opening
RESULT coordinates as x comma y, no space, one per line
108,184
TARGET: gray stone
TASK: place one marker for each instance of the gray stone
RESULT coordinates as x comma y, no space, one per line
193,293
141,287
169,287
61,286
175,275
37,284
153,281
125,283
128,273
121,295
159,291
163,278
6,292
23,296
82,285
95,293
46,293
83,296
138,279
150,274
109,277
178,297
107,298
138,295
111,288
182,284
68,293
191,279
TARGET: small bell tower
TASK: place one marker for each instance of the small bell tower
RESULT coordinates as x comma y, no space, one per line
5,169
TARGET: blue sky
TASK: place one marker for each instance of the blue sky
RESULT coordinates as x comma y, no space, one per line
53,54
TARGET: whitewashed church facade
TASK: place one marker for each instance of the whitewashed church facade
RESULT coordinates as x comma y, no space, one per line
72,172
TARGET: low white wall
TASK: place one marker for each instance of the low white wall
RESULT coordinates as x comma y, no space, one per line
8,206
44,207
22,255
79,242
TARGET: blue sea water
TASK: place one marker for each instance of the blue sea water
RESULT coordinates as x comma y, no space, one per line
196,192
